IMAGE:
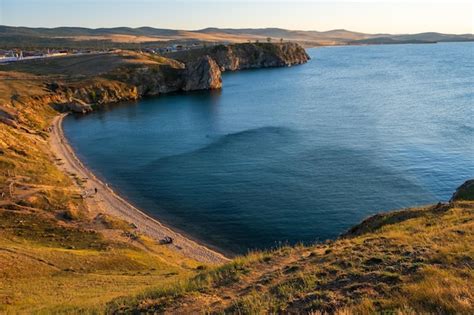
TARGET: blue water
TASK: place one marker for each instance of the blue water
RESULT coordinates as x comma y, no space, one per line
293,154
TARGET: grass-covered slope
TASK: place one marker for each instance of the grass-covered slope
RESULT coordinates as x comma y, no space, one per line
56,252
414,261
49,265
57,255
134,38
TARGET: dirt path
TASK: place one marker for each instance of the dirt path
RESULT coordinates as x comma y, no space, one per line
106,201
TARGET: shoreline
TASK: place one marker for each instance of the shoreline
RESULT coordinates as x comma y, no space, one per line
109,202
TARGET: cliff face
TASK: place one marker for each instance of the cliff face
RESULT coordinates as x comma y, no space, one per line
412,261
465,191
202,74
198,69
109,78
133,81
249,55
264,55
45,225
78,97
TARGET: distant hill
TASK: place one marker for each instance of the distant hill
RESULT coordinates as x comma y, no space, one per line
414,38
80,36
437,37
389,41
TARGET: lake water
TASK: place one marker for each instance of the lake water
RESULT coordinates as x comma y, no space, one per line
293,154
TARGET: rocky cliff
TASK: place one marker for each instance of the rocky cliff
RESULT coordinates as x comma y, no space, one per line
265,55
199,69
416,260
79,83
134,77
248,55
204,73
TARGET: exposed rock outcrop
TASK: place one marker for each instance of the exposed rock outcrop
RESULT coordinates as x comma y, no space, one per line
75,106
8,116
465,191
125,76
133,82
151,80
265,55
249,55
203,74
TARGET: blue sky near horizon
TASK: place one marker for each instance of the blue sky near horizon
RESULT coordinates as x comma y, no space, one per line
369,16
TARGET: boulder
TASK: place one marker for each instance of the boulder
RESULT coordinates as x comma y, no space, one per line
78,106
74,105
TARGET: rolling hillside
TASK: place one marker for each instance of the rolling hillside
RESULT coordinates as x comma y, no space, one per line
412,261
61,254
71,36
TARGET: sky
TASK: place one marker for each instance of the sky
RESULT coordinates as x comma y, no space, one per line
368,16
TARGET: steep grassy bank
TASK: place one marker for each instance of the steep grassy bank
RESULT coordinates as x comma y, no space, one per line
414,261
57,255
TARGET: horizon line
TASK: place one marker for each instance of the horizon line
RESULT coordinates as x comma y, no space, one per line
229,28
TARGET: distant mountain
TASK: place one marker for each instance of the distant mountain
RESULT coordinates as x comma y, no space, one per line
66,35
415,38
389,41
437,37
82,31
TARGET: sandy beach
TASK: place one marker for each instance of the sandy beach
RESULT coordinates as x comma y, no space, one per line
107,201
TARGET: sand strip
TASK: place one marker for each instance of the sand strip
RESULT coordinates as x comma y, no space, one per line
106,201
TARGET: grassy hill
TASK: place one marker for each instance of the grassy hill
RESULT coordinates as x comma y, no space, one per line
414,261
126,37
56,254
59,256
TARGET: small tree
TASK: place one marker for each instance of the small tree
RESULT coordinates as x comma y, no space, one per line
281,40
269,39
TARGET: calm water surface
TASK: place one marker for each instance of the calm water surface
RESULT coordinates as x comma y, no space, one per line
293,154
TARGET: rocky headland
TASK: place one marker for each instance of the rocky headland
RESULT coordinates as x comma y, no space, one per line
248,55
34,91
53,228
55,232
91,81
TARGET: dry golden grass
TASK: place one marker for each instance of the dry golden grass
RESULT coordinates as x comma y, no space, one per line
416,261
82,66
55,256
47,268
51,262
335,37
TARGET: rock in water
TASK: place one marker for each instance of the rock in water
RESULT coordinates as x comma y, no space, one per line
202,74
79,106
73,105
465,191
